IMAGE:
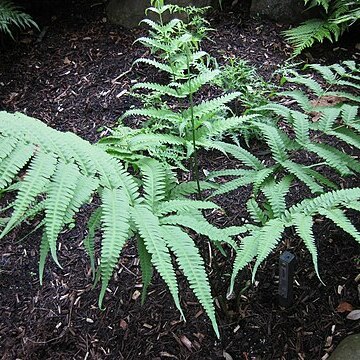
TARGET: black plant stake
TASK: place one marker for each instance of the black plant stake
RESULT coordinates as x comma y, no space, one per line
286,278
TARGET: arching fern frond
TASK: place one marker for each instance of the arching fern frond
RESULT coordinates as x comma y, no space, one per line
310,31
115,216
193,267
150,231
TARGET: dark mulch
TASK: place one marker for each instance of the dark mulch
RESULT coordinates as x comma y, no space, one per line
77,78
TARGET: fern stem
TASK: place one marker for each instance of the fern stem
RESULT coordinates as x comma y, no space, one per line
191,99
318,164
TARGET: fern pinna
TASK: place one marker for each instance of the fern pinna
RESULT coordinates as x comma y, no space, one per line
12,16
62,172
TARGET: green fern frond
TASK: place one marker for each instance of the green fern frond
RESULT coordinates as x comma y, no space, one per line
349,114
154,175
256,213
344,94
7,144
210,106
303,174
246,179
355,205
268,237
159,89
150,231
11,15
16,160
275,193
302,129
346,135
326,72
156,64
313,85
159,114
43,253
150,140
200,225
248,251
194,84
37,177
310,31
279,109
145,266
193,267
153,44
93,225
303,227
341,220
327,119
274,141
241,154
115,218
190,188
183,206
300,97
60,194
325,201
83,191
336,159
222,126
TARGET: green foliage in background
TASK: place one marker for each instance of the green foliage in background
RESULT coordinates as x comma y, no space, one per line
338,16
11,16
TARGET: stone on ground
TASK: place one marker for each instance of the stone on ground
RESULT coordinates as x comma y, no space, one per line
348,349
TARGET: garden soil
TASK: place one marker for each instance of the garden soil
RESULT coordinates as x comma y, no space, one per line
76,76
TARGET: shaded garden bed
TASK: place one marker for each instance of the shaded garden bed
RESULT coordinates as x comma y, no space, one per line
76,78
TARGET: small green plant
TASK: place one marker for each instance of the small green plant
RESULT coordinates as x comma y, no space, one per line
11,16
338,16
238,75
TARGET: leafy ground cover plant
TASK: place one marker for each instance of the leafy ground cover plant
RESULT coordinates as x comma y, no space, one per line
337,17
11,16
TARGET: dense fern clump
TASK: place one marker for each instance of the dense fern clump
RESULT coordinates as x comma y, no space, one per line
338,16
174,123
12,16
63,172
321,112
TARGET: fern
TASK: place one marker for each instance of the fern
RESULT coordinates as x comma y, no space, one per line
12,16
192,265
263,239
59,179
115,215
339,16
311,31
303,227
